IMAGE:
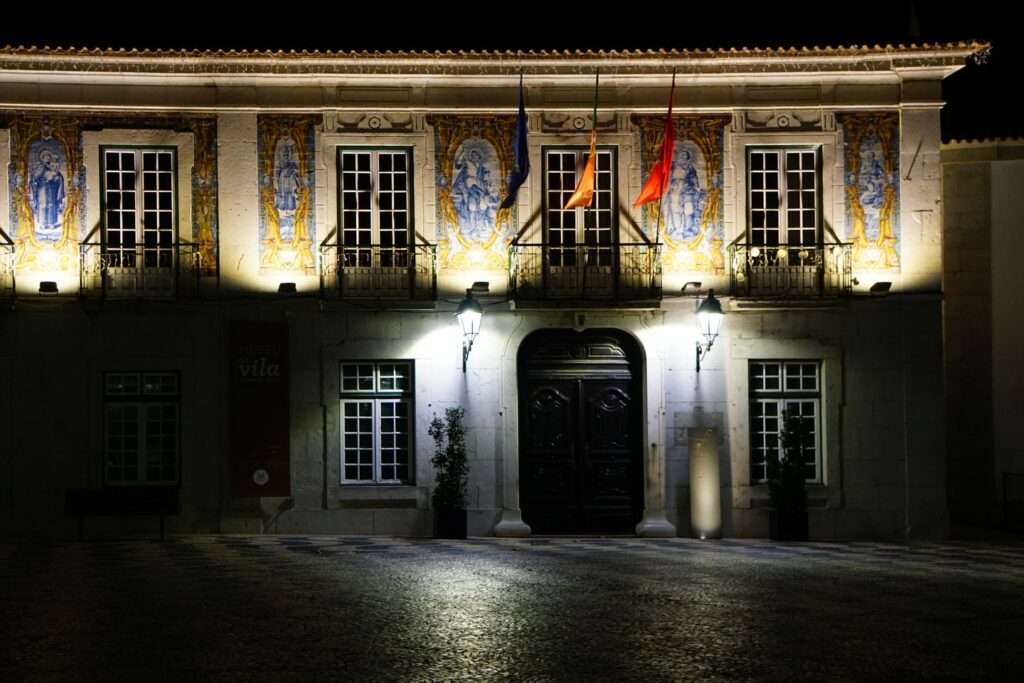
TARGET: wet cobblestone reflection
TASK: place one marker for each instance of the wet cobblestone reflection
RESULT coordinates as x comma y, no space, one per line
330,608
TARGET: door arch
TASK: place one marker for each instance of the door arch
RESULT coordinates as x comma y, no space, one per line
580,434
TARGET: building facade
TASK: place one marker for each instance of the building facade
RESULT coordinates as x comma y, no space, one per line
983,332
235,275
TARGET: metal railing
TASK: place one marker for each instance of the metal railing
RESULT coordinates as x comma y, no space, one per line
7,289
618,271
790,271
378,272
141,273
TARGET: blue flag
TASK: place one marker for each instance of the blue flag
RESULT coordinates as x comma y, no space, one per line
522,150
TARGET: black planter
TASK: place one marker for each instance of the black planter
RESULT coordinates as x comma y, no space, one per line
787,526
449,523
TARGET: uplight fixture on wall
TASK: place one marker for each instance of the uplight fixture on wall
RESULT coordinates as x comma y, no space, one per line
709,320
470,314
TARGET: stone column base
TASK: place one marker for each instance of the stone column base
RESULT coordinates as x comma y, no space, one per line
654,525
511,525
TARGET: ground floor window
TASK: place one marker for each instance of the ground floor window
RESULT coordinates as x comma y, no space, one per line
376,422
141,427
777,386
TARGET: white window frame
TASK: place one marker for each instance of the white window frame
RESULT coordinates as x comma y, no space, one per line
141,391
605,203
374,386
165,254
375,209
782,390
757,197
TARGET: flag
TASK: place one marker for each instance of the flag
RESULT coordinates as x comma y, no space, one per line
657,180
522,153
584,193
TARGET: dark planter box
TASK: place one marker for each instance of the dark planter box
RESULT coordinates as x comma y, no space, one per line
449,523
788,526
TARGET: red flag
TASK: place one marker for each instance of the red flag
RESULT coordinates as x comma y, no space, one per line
657,180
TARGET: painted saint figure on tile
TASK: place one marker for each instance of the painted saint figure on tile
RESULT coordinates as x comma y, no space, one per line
473,192
47,182
872,189
287,193
473,159
286,185
690,217
46,194
686,199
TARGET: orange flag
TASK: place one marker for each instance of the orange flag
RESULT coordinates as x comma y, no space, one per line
584,193
657,181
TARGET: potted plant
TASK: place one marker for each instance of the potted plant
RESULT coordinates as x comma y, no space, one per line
451,467
787,482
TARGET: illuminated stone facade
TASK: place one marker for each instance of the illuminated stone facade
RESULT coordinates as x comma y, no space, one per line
801,180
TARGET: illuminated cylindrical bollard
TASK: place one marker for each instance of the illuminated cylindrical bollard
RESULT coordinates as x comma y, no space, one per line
705,489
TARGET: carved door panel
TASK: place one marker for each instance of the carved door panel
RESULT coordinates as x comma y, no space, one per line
548,478
610,466
580,463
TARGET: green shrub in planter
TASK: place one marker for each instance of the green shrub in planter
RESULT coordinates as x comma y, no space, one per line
451,467
787,481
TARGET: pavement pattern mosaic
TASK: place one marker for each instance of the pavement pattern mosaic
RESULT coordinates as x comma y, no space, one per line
319,608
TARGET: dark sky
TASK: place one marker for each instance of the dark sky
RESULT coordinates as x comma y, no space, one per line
981,97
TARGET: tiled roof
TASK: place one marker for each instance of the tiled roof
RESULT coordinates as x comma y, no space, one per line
502,55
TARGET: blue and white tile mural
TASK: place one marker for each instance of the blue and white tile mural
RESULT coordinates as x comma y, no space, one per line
690,217
287,192
872,179
47,181
47,190
473,159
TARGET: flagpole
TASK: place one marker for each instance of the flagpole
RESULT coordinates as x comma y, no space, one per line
657,216
668,171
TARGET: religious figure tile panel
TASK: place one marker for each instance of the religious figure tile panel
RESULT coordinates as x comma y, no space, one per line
690,217
47,181
47,191
474,156
872,180
287,192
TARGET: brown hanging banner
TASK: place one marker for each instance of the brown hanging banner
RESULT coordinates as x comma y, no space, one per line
260,463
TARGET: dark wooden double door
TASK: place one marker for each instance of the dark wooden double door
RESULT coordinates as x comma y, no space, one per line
581,468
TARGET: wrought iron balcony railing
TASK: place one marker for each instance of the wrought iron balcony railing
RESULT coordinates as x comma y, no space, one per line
790,271
164,272
6,267
616,272
378,272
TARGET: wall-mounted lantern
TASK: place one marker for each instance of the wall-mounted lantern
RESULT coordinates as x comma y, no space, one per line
470,314
709,319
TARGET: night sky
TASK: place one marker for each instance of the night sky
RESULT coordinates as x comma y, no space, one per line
981,97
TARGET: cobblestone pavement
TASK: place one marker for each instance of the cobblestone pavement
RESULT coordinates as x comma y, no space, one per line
209,608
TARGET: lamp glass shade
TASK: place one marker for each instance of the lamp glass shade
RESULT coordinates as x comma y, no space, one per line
709,317
470,314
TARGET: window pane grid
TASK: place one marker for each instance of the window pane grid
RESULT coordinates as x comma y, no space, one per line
139,210
141,429
593,226
775,387
375,208
783,197
376,429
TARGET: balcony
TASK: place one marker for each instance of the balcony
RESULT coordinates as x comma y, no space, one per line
616,272
790,272
378,272
165,272
6,266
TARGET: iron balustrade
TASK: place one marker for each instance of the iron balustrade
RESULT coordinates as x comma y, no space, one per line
790,271
378,272
7,288
619,271
139,273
